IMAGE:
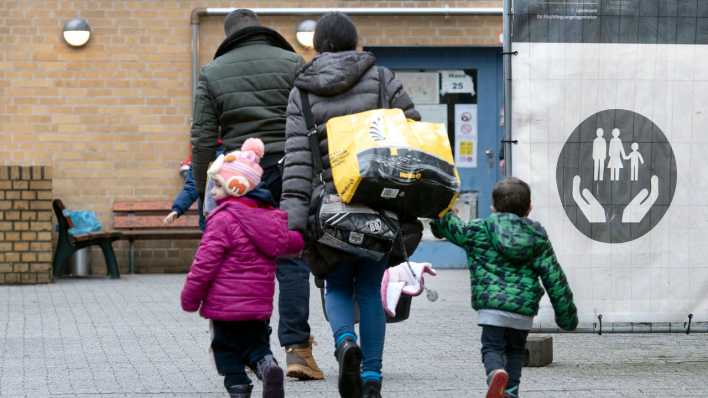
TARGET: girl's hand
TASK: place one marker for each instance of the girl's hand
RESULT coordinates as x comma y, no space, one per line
170,218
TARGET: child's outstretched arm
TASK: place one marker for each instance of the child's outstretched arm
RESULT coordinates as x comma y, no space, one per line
207,261
295,243
453,229
185,198
556,285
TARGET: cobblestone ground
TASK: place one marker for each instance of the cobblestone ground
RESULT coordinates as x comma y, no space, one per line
128,338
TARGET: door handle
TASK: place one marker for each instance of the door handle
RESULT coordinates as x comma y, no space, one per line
489,153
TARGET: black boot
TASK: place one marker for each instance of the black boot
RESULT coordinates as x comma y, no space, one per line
240,391
271,375
348,355
372,389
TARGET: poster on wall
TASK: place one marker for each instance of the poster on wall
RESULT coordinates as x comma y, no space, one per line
465,135
610,109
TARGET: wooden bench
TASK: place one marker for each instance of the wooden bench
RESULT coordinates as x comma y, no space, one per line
142,220
68,244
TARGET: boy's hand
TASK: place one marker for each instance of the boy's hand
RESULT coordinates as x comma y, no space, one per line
170,218
452,210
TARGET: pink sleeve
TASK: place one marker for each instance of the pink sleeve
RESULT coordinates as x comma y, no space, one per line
207,261
295,243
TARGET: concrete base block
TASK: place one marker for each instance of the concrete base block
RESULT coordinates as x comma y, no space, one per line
539,351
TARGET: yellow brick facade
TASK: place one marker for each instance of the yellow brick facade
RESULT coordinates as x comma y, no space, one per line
25,224
112,118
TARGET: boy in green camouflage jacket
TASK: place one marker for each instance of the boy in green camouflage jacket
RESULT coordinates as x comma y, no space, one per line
507,253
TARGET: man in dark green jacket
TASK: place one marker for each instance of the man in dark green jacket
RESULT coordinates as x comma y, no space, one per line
244,93
507,253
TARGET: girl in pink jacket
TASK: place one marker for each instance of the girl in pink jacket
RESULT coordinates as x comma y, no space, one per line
232,278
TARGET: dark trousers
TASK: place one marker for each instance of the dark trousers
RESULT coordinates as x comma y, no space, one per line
504,348
293,282
293,301
237,344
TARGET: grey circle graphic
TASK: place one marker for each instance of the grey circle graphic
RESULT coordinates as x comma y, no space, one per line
617,191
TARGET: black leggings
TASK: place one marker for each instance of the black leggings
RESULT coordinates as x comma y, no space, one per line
237,344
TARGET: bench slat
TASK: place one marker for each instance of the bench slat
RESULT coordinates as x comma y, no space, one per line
154,222
161,235
99,235
146,205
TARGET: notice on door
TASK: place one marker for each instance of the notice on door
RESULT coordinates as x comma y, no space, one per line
466,135
456,82
422,87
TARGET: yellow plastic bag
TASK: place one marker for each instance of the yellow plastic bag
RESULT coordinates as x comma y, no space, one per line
380,159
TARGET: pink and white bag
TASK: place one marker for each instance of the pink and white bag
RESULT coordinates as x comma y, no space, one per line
400,284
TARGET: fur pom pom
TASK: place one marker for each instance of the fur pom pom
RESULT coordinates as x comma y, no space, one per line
254,145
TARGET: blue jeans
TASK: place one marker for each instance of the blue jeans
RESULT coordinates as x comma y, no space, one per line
293,301
360,282
504,348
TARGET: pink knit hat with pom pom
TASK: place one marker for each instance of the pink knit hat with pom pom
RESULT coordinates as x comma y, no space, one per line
239,171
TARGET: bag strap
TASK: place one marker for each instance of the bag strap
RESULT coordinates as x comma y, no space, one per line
382,92
312,135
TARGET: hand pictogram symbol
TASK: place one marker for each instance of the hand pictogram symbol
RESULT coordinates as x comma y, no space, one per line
635,211
640,205
589,206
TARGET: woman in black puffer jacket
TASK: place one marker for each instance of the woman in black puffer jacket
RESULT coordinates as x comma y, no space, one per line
341,81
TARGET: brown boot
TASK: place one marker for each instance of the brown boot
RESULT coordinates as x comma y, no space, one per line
301,363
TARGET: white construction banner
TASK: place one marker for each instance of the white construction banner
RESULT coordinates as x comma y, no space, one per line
610,110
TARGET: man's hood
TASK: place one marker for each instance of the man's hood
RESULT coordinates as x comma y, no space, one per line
330,74
516,238
252,33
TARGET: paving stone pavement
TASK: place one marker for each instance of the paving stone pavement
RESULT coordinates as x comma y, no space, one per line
128,338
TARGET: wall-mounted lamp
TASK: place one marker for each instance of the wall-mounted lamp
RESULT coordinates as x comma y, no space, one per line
77,32
305,33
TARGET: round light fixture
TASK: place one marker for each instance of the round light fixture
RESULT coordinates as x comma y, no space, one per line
77,32
305,33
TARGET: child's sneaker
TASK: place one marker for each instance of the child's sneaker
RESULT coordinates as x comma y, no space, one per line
497,383
348,355
372,389
512,392
272,377
240,391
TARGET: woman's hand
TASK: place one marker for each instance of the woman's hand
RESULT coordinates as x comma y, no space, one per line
170,218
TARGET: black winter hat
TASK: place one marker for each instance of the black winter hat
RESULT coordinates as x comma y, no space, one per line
239,19
335,32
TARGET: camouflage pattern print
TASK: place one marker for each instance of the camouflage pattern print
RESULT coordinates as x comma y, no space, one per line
506,255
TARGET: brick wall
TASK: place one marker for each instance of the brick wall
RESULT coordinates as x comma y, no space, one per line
112,118
25,224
